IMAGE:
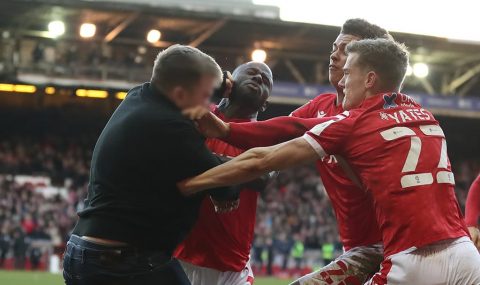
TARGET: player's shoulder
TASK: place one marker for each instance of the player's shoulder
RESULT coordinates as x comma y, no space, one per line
394,109
316,106
351,117
324,99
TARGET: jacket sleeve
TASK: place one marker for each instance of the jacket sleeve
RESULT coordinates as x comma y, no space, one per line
191,156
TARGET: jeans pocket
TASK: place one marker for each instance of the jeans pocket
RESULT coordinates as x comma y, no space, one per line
67,262
68,278
67,270
73,266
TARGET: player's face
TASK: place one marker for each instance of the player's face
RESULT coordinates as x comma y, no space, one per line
338,57
353,82
253,84
198,95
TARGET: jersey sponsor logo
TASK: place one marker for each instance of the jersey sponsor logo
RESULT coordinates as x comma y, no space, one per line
407,101
389,101
330,159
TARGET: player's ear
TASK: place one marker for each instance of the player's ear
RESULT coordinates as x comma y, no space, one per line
179,95
264,106
371,79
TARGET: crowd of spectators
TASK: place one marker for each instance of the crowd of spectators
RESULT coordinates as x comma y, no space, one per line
293,214
31,224
56,157
27,216
293,209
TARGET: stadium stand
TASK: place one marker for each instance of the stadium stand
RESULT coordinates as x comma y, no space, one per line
36,214
56,94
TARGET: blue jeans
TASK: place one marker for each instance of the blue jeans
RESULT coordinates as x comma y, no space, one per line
90,263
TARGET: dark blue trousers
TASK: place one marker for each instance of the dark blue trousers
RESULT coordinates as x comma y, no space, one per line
87,263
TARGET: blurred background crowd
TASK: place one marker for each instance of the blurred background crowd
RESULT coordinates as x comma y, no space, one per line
65,66
295,226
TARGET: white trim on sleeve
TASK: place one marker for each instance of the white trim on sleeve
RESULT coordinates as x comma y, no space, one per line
318,129
315,145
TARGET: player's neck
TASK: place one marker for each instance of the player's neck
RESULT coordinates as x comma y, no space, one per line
370,94
340,96
233,111
376,91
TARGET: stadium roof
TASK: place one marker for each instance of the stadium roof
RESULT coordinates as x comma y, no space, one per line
230,30
453,20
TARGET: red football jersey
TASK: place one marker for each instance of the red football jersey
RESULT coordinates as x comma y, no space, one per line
221,241
472,206
353,206
399,152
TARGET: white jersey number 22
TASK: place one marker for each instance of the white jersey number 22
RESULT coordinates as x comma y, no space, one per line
426,178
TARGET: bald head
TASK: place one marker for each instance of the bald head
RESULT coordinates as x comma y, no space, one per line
253,65
253,85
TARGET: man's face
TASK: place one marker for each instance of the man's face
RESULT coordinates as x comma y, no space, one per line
253,84
353,82
338,57
198,95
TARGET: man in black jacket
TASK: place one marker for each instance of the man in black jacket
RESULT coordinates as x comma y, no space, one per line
134,215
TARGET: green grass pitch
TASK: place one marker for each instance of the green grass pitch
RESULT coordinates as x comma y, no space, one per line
42,278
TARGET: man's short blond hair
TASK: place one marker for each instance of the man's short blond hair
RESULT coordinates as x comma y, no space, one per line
181,65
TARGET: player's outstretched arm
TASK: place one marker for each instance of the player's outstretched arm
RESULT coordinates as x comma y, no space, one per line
269,132
251,164
252,134
258,184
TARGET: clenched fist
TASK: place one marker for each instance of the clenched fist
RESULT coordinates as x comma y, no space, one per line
208,124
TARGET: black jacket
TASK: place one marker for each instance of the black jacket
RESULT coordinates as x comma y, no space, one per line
146,147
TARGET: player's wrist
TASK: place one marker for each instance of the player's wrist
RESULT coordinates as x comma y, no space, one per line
189,186
226,130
